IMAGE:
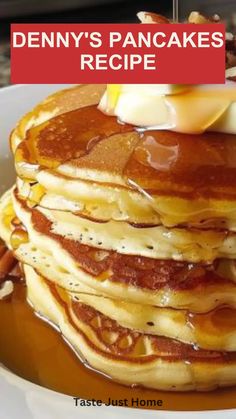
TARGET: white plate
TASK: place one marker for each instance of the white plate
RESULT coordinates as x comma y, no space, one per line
20,399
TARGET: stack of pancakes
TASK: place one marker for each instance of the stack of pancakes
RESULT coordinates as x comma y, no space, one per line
127,241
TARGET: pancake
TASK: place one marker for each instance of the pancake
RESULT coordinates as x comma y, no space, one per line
110,349
196,287
56,104
152,242
149,178
214,330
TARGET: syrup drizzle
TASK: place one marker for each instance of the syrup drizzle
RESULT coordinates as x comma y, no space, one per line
221,321
67,136
153,162
175,11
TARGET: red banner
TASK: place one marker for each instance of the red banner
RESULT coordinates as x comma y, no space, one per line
119,53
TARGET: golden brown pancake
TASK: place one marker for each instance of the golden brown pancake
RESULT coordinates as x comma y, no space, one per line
158,172
214,330
113,350
157,242
81,268
159,162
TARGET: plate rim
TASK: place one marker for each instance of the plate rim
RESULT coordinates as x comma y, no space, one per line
10,376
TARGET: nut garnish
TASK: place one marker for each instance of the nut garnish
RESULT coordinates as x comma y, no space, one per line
196,17
8,264
9,271
147,17
231,74
6,289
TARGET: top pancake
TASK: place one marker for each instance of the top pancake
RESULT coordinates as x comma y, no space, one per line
149,178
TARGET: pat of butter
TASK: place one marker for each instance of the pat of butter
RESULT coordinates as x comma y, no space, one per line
112,96
187,109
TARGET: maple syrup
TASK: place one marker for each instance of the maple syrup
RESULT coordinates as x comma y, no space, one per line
154,162
167,163
66,137
41,356
221,322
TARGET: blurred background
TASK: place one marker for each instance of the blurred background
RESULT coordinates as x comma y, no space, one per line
99,11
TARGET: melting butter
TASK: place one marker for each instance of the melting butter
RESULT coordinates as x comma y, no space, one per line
186,109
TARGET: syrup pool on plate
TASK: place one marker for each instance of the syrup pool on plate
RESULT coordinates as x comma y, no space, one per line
32,349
